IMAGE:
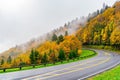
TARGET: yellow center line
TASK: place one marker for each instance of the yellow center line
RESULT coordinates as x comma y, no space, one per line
60,69
75,70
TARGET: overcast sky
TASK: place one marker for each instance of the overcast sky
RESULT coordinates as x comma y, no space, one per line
21,20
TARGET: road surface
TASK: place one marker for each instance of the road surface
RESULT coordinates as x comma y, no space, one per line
79,70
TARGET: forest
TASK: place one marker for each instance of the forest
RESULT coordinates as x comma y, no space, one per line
104,29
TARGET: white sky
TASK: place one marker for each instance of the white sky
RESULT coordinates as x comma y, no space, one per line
21,20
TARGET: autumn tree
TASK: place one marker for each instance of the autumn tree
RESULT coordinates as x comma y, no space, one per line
115,38
6,65
25,59
53,56
70,43
47,46
16,62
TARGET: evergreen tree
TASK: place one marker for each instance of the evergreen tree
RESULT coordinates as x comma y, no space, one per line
70,55
37,56
54,37
73,54
44,59
61,55
34,56
60,39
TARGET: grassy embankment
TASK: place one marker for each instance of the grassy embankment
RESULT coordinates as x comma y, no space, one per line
85,55
103,47
113,74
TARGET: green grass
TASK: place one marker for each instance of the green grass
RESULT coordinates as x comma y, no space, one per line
85,54
103,47
113,74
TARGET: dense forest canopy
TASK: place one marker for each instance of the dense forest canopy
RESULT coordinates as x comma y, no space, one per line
104,29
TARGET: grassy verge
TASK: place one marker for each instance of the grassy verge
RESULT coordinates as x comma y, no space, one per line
110,48
113,74
85,54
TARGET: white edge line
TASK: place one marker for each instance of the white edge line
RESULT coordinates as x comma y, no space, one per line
83,78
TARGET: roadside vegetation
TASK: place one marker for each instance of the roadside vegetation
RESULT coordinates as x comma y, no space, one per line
110,48
113,74
84,55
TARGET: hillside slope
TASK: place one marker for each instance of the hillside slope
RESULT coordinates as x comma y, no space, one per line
104,29
70,27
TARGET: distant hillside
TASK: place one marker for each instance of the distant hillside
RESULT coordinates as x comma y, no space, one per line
104,29
70,27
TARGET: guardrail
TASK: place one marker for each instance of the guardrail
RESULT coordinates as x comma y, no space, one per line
33,65
19,67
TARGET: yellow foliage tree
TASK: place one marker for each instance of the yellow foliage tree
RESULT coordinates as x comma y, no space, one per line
6,65
70,43
115,36
24,58
47,46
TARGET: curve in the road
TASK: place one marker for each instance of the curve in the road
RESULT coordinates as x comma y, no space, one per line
72,71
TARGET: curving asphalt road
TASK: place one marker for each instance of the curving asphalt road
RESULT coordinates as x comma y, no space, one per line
79,70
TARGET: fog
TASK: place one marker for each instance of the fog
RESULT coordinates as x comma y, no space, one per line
22,20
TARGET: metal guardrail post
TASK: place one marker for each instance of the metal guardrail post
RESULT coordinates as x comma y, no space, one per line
20,67
4,70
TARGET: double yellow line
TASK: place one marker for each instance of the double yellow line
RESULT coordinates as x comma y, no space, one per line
53,74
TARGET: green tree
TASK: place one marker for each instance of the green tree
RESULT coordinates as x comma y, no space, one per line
61,55
37,56
70,55
73,54
34,57
54,37
44,59
60,39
